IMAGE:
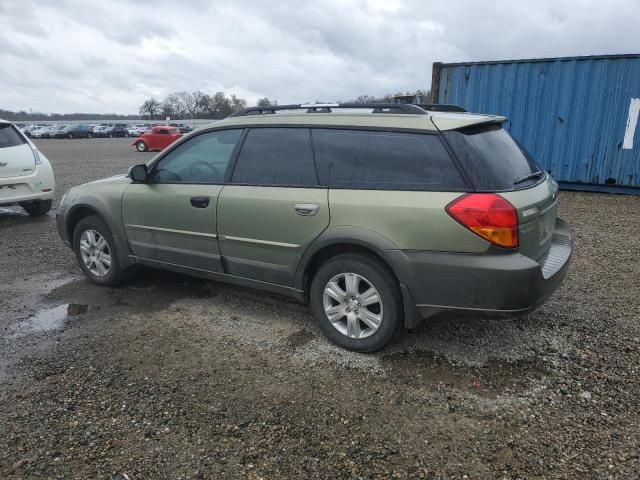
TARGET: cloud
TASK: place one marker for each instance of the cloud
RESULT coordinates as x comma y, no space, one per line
71,55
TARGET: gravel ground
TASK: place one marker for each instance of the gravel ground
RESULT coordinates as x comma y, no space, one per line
173,377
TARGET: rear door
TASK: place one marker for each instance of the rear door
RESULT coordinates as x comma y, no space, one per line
273,207
172,218
16,157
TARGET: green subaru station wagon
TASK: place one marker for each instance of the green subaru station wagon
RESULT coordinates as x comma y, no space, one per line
378,215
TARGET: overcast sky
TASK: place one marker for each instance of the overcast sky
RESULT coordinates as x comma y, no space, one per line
109,55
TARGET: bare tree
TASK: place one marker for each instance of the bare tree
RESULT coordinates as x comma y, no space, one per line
150,108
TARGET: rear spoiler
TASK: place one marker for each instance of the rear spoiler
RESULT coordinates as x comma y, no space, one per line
456,122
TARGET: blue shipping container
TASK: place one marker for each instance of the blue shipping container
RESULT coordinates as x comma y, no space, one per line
577,116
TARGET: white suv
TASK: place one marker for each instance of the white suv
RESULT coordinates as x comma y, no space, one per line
26,176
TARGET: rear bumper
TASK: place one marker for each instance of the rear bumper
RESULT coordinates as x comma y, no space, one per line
507,283
27,188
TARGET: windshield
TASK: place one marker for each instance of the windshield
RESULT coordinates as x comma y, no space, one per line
9,137
492,158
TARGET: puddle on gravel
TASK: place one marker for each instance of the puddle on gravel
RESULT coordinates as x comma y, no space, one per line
50,318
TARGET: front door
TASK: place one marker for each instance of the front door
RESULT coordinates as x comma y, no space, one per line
172,218
273,208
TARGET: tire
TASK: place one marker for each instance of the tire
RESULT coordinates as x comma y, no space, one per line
37,208
368,272
114,274
126,134
111,135
89,135
70,136
141,146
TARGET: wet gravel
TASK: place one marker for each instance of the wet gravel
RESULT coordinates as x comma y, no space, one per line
173,377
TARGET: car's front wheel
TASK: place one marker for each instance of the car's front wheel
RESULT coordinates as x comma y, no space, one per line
95,249
126,134
356,301
37,208
89,135
141,146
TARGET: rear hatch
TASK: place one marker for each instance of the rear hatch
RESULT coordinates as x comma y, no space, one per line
16,156
495,162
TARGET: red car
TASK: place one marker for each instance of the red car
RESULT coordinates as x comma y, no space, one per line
159,138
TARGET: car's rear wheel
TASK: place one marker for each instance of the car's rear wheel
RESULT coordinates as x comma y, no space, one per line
70,136
141,146
37,208
126,134
356,301
89,135
95,249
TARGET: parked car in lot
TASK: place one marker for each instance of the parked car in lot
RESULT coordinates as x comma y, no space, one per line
378,216
137,130
74,131
29,129
183,128
26,177
116,131
53,130
159,138
97,129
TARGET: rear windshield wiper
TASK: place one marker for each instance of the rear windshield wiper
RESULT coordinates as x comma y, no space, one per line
531,176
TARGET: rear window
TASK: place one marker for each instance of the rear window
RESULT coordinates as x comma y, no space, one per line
384,161
9,136
276,156
492,157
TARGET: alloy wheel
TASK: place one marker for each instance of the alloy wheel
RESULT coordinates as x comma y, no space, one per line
95,253
353,305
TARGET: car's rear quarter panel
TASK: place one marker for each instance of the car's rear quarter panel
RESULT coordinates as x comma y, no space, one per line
410,220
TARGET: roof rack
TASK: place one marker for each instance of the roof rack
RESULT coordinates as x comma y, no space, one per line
405,108
441,107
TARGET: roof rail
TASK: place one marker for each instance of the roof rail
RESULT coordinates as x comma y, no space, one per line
406,108
441,107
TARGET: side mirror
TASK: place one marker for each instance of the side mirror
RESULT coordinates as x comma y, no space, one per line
138,173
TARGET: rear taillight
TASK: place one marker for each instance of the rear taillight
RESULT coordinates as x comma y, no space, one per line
36,156
487,215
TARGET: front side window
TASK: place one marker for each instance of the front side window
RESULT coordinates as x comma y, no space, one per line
9,136
201,159
384,161
276,156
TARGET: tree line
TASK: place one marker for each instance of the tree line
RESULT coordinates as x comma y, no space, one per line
24,116
185,105
181,105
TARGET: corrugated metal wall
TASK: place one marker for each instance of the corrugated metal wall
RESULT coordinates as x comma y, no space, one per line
575,115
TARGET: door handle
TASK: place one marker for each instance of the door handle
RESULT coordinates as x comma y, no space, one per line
200,202
306,209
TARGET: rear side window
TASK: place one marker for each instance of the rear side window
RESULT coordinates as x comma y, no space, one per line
384,161
492,157
9,136
276,156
